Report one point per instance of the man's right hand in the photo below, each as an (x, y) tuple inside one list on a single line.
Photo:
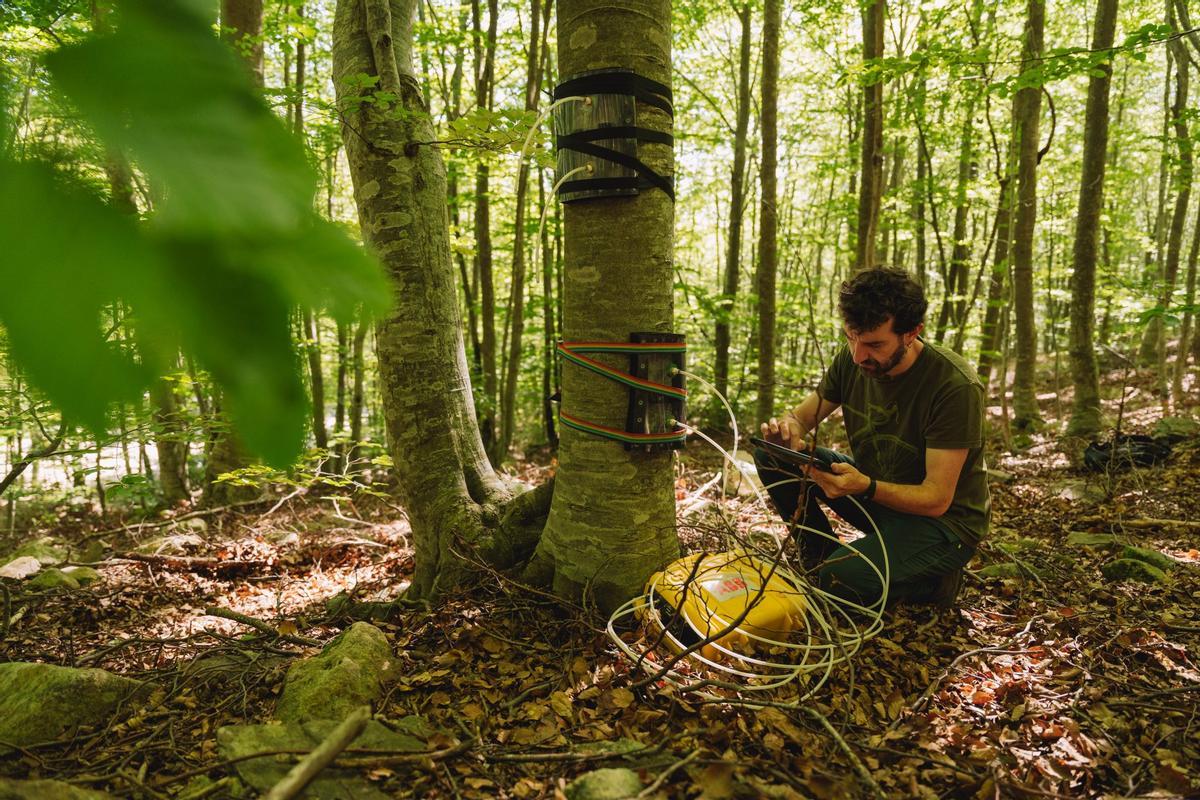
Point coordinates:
[(785, 431)]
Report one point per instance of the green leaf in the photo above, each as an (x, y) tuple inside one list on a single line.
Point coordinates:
[(166, 91), (68, 256)]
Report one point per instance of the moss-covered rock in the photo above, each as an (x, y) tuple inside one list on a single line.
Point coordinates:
[(1006, 570), (236, 741), (84, 575), (615, 783), (349, 672), (1176, 428), (43, 703), (1131, 569), (1152, 557), (47, 790), (1089, 539), (46, 550), (53, 579)]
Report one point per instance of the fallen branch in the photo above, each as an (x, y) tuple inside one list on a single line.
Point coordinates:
[(311, 765), (1143, 522), (258, 624)]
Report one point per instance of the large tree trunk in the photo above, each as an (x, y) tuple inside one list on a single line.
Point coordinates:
[(454, 500), (1085, 407), (768, 212), (737, 200), (1026, 110), (874, 12), (612, 522)]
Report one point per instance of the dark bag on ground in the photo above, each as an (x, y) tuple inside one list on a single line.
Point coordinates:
[(1125, 451)]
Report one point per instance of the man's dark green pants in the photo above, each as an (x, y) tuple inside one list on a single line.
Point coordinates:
[(919, 550)]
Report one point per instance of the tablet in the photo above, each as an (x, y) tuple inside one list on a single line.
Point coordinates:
[(800, 458)]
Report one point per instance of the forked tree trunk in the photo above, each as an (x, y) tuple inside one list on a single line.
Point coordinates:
[(612, 521), (456, 504), (1085, 406), (1026, 108)]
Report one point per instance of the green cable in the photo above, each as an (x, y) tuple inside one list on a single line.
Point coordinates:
[(573, 352)]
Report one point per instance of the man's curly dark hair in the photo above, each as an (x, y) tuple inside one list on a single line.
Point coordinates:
[(870, 297)]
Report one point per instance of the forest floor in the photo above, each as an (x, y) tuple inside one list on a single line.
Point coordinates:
[(1052, 682)]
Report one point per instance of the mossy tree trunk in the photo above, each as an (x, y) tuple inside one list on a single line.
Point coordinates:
[(455, 502), (612, 520), (1085, 407)]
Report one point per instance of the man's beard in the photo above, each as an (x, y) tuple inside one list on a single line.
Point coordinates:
[(879, 370)]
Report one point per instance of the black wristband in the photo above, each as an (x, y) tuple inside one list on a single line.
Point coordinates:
[(870, 492)]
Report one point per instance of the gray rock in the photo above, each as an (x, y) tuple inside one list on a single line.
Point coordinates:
[(235, 741), (1080, 491), (53, 579), (43, 703), (1130, 569), (20, 567), (47, 790), (615, 783), (349, 672), (171, 544)]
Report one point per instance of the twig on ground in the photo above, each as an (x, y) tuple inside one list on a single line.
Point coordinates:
[(311, 765), (258, 624), (666, 773), (859, 768)]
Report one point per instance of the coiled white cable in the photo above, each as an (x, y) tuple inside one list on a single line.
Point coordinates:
[(811, 653)]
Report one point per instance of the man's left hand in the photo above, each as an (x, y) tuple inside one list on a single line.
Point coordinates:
[(844, 480)]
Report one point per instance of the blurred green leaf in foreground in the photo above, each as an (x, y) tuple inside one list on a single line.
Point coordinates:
[(231, 246)]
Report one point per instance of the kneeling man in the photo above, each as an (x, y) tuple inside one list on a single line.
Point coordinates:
[(914, 416)]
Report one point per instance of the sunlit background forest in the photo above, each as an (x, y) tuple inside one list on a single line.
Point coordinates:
[(948, 71), (238, 421)]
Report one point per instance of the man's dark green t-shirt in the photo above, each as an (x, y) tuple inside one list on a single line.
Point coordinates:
[(936, 403)]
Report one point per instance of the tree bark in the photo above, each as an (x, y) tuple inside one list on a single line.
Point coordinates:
[(533, 85), (1026, 110), (768, 212), (241, 26), (358, 368), (316, 376), (485, 61), (1183, 193), (454, 500), (737, 200), (1085, 406), (874, 12), (612, 521)]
